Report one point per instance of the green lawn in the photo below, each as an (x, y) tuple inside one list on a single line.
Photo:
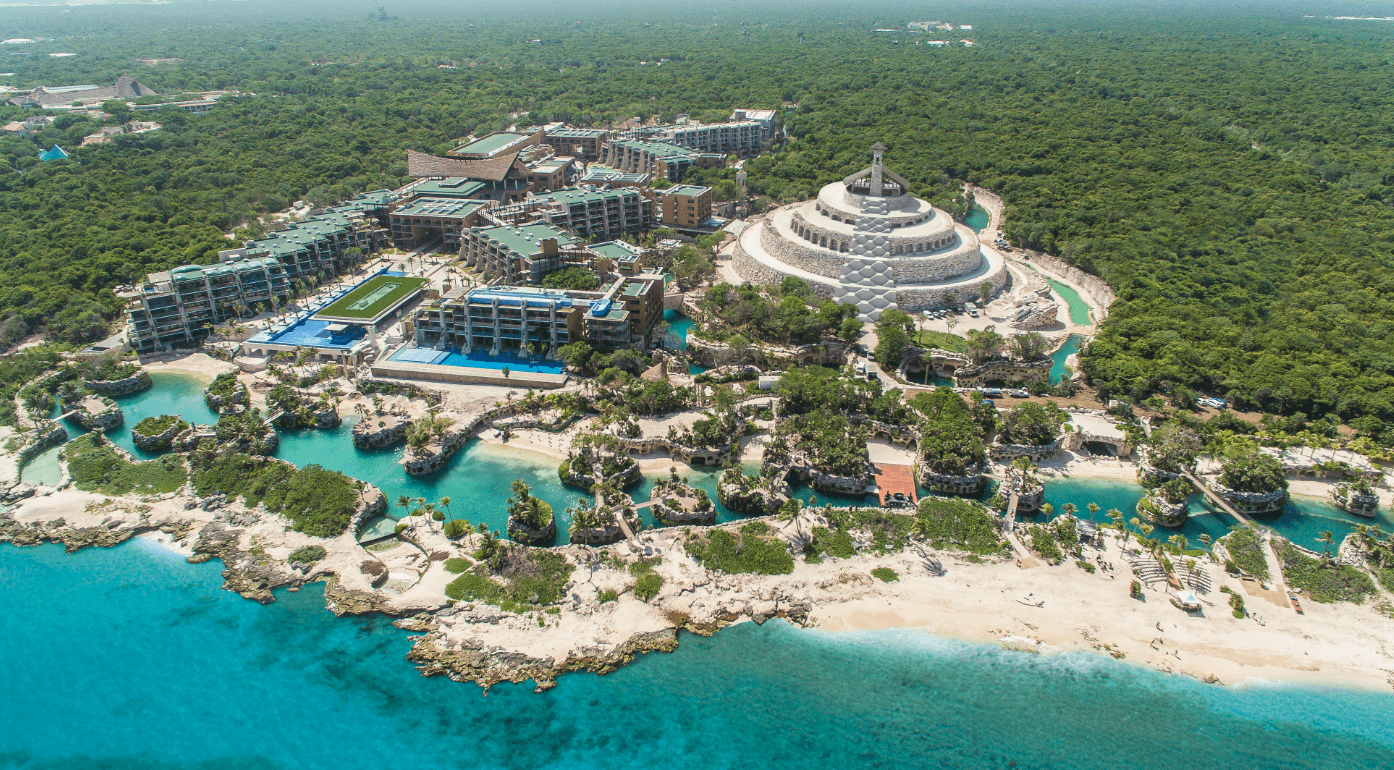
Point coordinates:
[(950, 342), (372, 298)]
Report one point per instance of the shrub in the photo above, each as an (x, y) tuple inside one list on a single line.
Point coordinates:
[(1135, 590), (749, 553), (318, 502), (1043, 543), (832, 543), (608, 596), (527, 578), (455, 529), (456, 566), (1323, 581), (755, 528), (885, 574), (647, 586), (96, 467), (309, 554), (1246, 552), (949, 523)]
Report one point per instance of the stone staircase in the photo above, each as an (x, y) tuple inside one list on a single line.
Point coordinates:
[(867, 279)]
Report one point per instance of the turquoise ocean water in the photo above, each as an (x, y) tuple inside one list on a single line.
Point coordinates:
[(131, 658)]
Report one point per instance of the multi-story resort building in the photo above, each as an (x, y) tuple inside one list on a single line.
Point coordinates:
[(604, 176), (428, 218), (744, 137), (498, 144), (583, 143), (764, 117), (686, 206), (526, 320), (660, 159), (179, 306), (516, 254)]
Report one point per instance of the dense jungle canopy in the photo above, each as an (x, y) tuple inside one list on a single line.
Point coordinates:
[(1227, 168)]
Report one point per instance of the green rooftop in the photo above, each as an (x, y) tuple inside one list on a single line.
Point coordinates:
[(521, 241), (660, 149), (455, 187), (372, 299), (614, 250), (491, 144), (440, 207), (690, 190)]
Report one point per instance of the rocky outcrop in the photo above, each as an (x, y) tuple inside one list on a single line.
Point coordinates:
[(224, 402), (522, 533), (96, 413), (154, 442), (610, 532), (105, 535), (253, 575), (679, 504), (377, 431), (471, 661), (1256, 503), (751, 500), (948, 484), (124, 386), (1004, 370), (1352, 500), (1156, 509)]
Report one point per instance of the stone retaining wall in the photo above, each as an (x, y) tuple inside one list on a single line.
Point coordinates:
[(1036, 452), (372, 437), (946, 484), (1004, 370), (757, 272), (125, 386), (49, 434), (1250, 502)]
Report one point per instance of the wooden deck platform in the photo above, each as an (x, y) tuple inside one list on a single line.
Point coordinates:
[(895, 478)]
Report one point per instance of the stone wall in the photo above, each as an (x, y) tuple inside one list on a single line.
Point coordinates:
[(804, 256), (125, 386), (1033, 451), (944, 268), (913, 299), (1093, 285), (1004, 370)]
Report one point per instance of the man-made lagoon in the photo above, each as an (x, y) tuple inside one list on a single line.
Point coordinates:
[(477, 479)]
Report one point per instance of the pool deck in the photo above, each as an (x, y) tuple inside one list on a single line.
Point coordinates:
[(406, 370)]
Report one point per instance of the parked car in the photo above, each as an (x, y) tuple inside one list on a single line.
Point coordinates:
[(1018, 393)]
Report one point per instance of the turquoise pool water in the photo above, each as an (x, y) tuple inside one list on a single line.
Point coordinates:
[(478, 360), (43, 468), (978, 219), (1079, 309), (477, 478), (678, 326), (1068, 348), (1301, 521), (171, 393), (131, 658)]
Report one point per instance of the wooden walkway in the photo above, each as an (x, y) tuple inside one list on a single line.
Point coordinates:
[(1216, 499)]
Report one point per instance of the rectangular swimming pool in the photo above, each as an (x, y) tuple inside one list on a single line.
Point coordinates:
[(476, 360)]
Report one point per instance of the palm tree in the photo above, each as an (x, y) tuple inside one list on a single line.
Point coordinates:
[(445, 503), (1093, 509), (1069, 509), (1327, 539), (404, 503)]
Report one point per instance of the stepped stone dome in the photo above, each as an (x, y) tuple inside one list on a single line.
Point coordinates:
[(867, 242)]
